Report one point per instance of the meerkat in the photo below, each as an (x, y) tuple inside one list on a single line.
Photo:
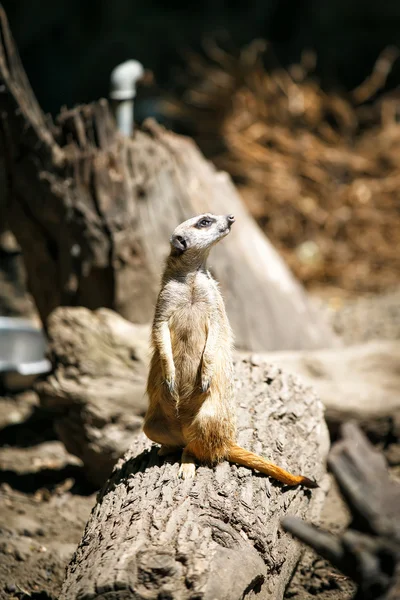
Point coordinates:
[(190, 382)]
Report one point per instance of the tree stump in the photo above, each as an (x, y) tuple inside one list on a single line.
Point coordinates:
[(93, 213), (152, 535), (97, 387)]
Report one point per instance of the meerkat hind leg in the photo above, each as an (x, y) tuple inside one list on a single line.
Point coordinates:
[(187, 469), (158, 429), (165, 450)]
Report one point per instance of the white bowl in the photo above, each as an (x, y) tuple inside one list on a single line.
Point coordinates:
[(22, 353)]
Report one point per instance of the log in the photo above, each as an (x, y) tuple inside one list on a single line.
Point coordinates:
[(369, 550), (152, 535), (99, 399), (359, 383), (97, 387), (93, 213)]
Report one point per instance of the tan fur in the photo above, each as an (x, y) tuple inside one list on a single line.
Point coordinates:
[(190, 379)]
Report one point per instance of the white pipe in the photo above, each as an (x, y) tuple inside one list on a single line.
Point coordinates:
[(123, 91)]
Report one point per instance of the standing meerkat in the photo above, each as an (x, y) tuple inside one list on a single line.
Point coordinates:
[(190, 388)]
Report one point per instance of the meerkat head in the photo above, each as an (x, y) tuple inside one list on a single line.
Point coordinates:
[(200, 233)]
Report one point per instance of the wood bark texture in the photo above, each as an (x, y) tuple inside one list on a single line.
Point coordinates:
[(360, 383), (369, 550), (152, 535), (97, 387), (93, 213)]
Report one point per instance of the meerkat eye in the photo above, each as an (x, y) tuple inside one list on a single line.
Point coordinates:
[(204, 223)]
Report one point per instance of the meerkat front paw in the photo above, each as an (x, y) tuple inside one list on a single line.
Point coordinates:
[(170, 383), (187, 471), (206, 379)]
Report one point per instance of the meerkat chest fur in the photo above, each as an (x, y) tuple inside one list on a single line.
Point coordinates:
[(194, 298), (195, 305)]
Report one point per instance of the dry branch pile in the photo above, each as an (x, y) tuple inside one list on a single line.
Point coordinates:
[(319, 171)]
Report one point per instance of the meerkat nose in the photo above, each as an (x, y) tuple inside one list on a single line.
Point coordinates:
[(231, 218)]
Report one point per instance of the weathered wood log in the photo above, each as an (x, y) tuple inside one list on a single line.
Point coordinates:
[(359, 383), (93, 213), (152, 535), (369, 550), (100, 366), (97, 387)]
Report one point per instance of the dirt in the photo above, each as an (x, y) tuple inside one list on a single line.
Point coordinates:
[(371, 317), (39, 532), (45, 502)]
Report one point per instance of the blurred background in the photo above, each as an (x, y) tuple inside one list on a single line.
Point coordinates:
[(69, 47), (297, 101)]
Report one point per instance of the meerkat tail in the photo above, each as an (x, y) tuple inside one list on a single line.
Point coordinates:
[(240, 456)]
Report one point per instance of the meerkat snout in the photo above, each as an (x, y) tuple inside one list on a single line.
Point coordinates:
[(225, 226), (230, 220)]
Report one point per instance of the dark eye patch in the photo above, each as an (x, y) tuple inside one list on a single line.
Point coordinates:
[(205, 222)]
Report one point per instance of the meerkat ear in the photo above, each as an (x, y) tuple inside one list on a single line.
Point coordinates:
[(179, 243)]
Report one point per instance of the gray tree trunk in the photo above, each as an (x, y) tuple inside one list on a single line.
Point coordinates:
[(218, 536), (93, 213)]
